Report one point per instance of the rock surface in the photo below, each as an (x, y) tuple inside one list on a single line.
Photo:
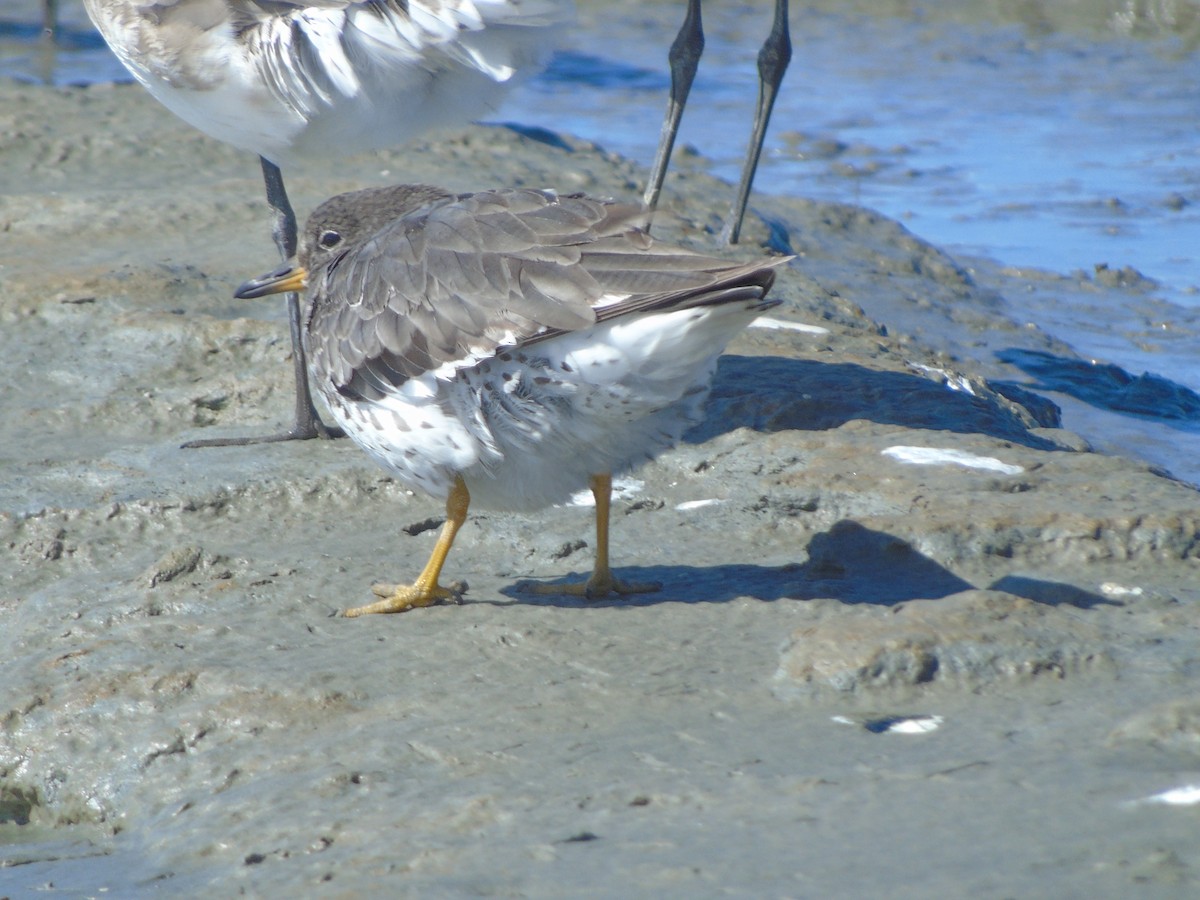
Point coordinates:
[(876, 520)]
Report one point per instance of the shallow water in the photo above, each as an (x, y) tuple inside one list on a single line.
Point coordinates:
[(1045, 137)]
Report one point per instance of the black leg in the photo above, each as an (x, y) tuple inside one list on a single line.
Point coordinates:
[(684, 58), (773, 61), (308, 423), (50, 21), (285, 231)]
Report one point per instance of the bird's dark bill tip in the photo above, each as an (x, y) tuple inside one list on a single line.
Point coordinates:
[(287, 278)]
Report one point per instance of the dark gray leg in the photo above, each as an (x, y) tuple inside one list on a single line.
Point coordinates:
[(308, 423), (684, 58), (773, 61), (284, 229), (50, 20)]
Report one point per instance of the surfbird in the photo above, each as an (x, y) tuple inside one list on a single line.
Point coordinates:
[(509, 347), (292, 79)]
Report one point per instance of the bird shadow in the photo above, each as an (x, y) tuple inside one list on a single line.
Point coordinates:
[(772, 393), (1051, 593), (849, 563)]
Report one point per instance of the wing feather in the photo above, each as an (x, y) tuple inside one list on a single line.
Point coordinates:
[(455, 280)]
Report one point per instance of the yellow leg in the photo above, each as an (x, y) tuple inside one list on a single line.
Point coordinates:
[(603, 582), (425, 591)]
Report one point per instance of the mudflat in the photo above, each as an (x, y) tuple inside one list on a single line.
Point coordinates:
[(914, 638)]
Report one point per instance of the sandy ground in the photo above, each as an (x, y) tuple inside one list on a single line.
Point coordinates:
[(183, 712)]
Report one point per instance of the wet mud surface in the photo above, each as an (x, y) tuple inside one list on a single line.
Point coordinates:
[(879, 519)]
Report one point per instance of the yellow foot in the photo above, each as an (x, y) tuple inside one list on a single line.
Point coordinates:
[(401, 597), (599, 586)]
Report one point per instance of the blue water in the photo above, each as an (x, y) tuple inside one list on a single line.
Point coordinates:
[(1037, 146)]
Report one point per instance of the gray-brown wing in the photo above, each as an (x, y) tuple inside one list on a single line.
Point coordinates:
[(452, 283)]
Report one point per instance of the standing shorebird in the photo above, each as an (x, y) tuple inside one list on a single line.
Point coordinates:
[(509, 347), (291, 79)]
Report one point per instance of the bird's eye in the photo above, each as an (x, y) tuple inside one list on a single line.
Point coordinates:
[(329, 239)]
